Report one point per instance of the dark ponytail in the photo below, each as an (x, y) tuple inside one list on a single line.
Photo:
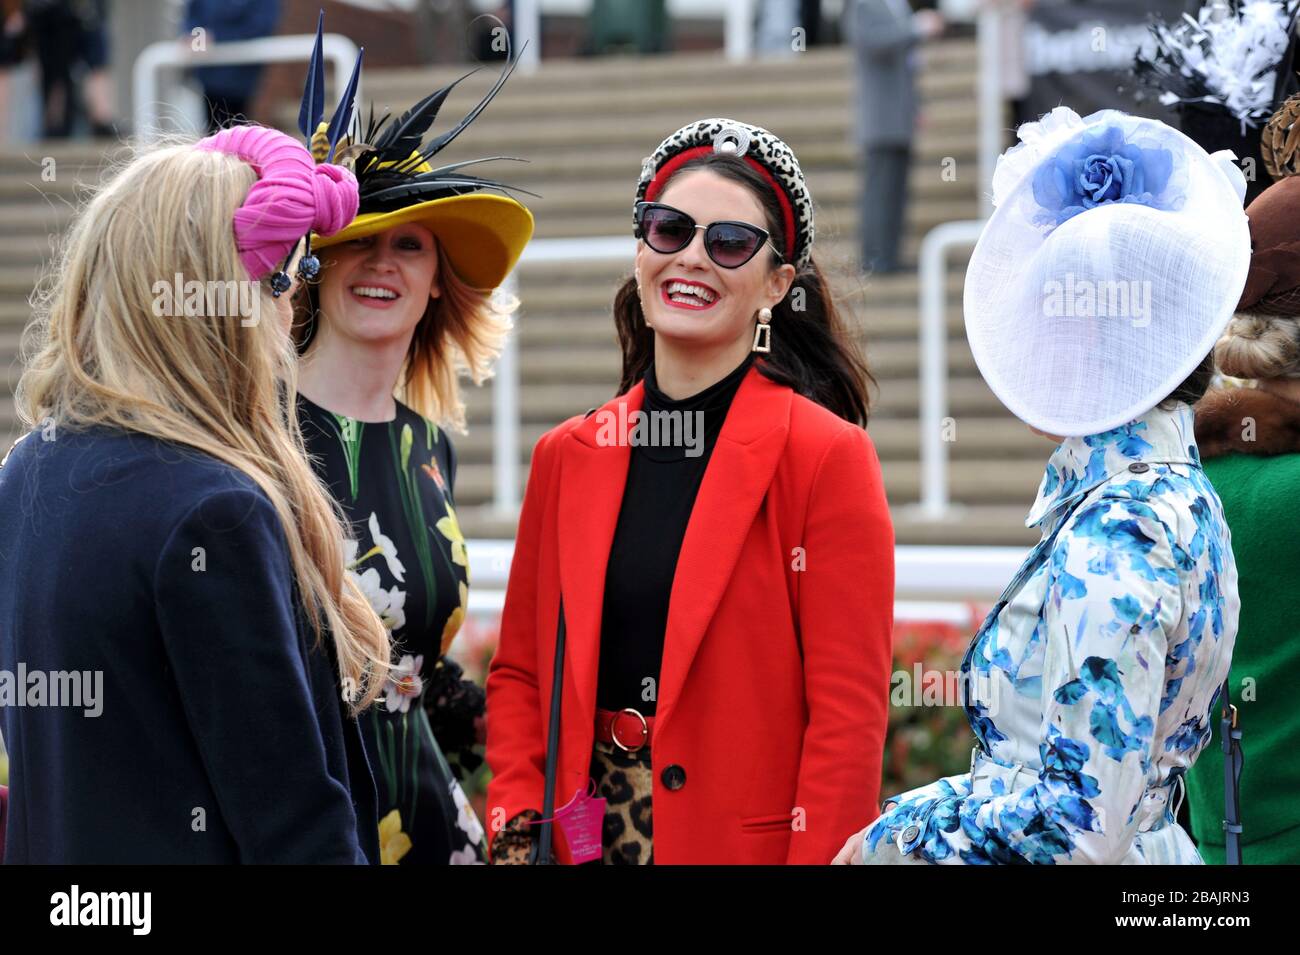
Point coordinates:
[(812, 350)]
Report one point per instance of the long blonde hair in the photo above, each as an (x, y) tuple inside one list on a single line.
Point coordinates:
[(100, 352), (461, 332)]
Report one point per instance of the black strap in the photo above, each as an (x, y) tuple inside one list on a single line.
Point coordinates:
[(1233, 760), (541, 851)]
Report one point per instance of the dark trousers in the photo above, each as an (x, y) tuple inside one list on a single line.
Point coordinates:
[(884, 202), (65, 36)]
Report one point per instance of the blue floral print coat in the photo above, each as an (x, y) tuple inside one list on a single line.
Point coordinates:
[(1090, 684)]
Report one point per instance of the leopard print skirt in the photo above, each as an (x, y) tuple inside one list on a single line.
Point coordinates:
[(626, 781)]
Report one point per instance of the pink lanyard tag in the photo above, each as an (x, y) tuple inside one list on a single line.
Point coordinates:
[(583, 820)]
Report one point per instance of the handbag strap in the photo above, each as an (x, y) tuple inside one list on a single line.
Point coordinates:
[(1233, 760), (541, 853)]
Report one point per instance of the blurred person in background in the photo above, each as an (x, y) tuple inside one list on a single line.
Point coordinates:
[(13, 35), (774, 32), (726, 593), (228, 90), (71, 42), (779, 19), (1250, 440), (885, 35)]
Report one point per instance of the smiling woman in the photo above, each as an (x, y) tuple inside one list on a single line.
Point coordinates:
[(403, 306), (656, 561)]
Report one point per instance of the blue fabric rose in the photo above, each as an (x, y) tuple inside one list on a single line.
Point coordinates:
[(1102, 168)]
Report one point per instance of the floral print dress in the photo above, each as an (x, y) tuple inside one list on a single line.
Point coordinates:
[(1091, 683), (394, 480)]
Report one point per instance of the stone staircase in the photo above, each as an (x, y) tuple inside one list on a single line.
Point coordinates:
[(584, 126)]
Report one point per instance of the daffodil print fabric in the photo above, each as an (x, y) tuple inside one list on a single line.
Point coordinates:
[(1090, 685), (394, 480)]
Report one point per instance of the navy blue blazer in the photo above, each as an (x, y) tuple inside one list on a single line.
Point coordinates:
[(221, 734)]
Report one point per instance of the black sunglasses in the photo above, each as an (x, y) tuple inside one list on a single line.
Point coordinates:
[(729, 244)]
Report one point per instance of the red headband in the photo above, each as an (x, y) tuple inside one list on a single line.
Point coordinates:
[(666, 171)]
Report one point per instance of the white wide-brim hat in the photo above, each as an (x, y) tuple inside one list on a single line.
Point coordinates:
[(1112, 262)]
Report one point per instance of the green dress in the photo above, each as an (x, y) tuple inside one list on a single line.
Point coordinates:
[(1261, 500), (394, 480)]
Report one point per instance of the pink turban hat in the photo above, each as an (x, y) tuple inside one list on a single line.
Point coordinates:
[(293, 195)]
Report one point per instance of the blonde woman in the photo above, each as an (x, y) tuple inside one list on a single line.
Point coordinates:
[(166, 546), (403, 307)]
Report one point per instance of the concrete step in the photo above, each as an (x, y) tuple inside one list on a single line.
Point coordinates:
[(834, 151), (39, 218), (798, 126), (18, 280), (705, 95), (1002, 481), (588, 288), (548, 403), (14, 311), (976, 439), (988, 525), (887, 360), (574, 299), (76, 155), (595, 327), (621, 73), (831, 186), (968, 525)]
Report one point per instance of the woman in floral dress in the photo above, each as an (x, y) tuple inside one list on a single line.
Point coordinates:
[(392, 478), (404, 305), (1090, 686)]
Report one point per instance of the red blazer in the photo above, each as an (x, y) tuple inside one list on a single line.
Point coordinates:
[(774, 684)]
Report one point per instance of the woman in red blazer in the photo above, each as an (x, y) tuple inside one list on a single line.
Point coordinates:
[(727, 591)]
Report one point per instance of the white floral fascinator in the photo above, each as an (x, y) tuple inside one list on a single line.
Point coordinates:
[(1115, 254)]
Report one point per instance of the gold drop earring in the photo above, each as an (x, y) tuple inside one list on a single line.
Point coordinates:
[(763, 332)]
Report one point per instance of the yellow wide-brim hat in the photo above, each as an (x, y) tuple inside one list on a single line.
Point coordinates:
[(483, 234)]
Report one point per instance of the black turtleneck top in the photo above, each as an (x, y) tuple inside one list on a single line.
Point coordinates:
[(662, 482)]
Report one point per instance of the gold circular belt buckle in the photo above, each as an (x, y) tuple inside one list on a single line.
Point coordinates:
[(613, 730)]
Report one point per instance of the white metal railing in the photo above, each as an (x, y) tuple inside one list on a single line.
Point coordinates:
[(932, 279), (931, 581), (168, 54), (505, 388)]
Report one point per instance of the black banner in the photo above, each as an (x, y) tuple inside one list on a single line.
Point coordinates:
[(1078, 54), (937, 905)]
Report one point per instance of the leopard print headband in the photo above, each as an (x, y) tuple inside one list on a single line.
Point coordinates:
[(762, 150)]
